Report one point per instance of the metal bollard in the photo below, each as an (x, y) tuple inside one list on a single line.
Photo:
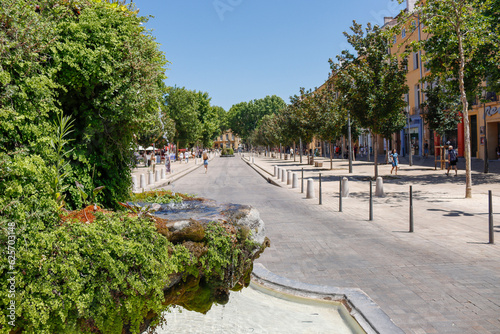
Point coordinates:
[(490, 218), (320, 189), (289, 177), (371, 200), (151, 178), (310, 188), (275, 170), (157, 175), (162, 173), (340, 193), (302, 182), (295, 180), (411, 209), (278, 176), (283, 175), (143, 181)]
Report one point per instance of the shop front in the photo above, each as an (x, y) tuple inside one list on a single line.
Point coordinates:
[(488, 133), (414, 131)]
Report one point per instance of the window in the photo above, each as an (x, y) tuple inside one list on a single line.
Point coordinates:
[(227, 137), (413, 26), (417, 96), (395, 39), (415, 60), (403, 33)]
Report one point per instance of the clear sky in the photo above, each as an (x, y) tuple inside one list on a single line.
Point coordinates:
[(240, 50)]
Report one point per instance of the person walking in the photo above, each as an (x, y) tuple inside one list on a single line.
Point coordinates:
[(205, 161), (452, 160), (167, 163), (395, 161)]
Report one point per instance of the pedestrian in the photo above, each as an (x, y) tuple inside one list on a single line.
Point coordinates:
[(395, 161), (205, 161), (167, 163), (186, 155), (452, 160), (426, 149), (181, 157)]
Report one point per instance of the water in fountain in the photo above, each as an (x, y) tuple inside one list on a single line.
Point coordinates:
[(259, 310)]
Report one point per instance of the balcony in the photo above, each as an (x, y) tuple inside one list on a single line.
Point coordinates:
[(416, 111)]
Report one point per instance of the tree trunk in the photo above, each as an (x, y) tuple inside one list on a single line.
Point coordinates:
[(331, 155), (465, 118), (294, 151)]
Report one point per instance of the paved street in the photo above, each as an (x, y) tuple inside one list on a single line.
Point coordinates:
[(443, 278)]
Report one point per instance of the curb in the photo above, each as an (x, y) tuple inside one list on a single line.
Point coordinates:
[(174, 177), (361, 307), (261, 172)]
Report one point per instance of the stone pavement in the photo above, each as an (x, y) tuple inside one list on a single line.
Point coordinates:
[(178, 170), (443, 278)]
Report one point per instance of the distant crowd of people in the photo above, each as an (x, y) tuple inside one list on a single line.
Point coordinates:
[(151, 158)]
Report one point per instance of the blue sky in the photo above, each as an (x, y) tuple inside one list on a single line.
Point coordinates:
[(240, 50)]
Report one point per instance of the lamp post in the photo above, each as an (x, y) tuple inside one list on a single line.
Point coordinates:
[(300, 148), (486, 165), (410, 158), (349, 140)]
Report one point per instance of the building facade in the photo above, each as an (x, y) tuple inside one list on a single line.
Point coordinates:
[(227, 140)]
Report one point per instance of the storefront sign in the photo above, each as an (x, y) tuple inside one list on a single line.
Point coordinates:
[(490, 111)]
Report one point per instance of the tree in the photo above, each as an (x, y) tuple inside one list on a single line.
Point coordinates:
[(268, 132), (223, 118), (245, 116), (459, 31), (109, 71), (298, 120), (441, 110), (331, 117), (182, 106), (208, 118), (371, 85)]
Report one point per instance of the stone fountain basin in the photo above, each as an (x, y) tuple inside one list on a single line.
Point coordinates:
[(205, 210)]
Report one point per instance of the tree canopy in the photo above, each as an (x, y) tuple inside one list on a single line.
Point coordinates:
[(245, 116), (371, 84), (458, 50)]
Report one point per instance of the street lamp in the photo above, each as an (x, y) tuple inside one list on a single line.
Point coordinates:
[(349, 140), (410, 158), (486, 165)]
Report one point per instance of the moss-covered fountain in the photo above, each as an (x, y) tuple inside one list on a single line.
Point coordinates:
[(222, 241)]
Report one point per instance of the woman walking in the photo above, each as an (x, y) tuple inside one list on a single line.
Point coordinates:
[(395, 161)]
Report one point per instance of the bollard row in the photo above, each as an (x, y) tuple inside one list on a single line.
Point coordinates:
[(148, 179)]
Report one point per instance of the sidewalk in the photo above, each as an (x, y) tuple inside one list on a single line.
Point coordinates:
[(432, 189), (178, 170), (444, 277)]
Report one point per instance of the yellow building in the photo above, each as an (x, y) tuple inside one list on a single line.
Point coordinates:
[(227, 140), (485, 127)]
